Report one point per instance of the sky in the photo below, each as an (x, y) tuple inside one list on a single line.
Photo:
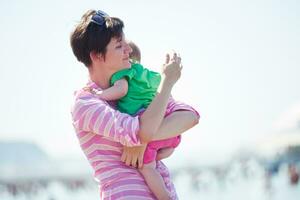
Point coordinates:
[(241, 67)]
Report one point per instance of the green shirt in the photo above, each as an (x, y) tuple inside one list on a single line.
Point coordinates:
[(142, 87)]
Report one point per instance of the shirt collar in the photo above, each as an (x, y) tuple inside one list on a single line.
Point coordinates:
[(92, 84)]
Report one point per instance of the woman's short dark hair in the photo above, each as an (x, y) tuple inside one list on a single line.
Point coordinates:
[(88, 36)]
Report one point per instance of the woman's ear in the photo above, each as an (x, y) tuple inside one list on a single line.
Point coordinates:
[(96, 57)]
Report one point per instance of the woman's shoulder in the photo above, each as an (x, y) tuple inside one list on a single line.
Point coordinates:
[(83, 97), (85, 101)]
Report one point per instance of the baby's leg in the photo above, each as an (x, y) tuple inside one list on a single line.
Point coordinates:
[(155, 181)]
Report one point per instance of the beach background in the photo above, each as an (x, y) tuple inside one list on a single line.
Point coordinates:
[(241, 71)]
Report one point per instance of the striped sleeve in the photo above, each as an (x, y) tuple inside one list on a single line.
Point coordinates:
[(177, 106), (94, 115)]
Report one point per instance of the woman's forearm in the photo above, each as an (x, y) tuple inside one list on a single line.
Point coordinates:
[(175, 124), (151, 119)]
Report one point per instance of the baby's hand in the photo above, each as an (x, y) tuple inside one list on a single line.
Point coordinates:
[(88, 89), (91, 90)]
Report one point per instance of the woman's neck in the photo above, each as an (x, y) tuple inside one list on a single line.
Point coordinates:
[(101, 77)]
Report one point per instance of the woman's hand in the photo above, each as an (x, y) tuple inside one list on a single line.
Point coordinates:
[(172, 69), (133, 156)]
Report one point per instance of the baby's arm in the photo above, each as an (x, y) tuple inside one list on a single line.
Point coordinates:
[(115, 92)]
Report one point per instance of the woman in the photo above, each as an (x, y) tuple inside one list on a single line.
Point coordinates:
[(105, 134)]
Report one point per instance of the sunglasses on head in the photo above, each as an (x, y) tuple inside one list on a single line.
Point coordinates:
[(99, 18)]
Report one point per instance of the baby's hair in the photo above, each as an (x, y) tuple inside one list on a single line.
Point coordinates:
[(136, 53)]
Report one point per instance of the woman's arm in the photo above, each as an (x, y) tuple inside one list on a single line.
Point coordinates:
[(182, 118), (149, 123), (175, 124), (151, 119)]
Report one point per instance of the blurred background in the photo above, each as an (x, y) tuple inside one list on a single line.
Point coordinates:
[(241, 72)]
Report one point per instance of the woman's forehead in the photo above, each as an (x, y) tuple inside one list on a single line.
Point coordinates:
[(116, 40)]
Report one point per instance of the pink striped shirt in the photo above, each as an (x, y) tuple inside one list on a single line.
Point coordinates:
[(102, 131)]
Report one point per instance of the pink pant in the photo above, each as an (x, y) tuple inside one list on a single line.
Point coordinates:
[(153, 147)]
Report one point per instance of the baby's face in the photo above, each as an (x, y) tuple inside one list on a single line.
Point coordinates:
[(134, 59)]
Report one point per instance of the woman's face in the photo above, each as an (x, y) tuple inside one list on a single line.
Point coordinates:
[(117, 54)]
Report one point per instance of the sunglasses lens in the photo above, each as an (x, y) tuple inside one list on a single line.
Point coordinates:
[(99, 18), (101, 13)]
